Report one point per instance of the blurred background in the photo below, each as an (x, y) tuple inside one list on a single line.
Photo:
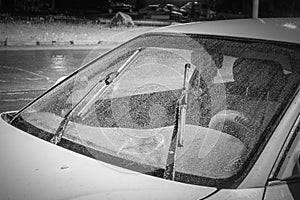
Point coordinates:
[(177, 10)]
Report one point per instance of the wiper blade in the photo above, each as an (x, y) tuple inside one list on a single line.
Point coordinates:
[(179, 127), (182, 106), (107, 80)]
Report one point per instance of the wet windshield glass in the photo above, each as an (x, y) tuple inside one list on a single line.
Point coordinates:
[(236, 90)]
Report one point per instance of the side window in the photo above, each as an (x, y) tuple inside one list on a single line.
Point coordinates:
[(290, 168), (283, 190), (287, 180)]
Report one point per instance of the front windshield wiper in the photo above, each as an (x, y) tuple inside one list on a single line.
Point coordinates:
[(179, 127), (108, 79)]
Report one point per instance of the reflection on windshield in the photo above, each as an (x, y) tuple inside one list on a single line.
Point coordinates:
[(58, 62), (235, 90)]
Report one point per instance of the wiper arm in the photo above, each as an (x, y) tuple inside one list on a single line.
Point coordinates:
[(113, 76), (107, 80), (179, 128), (63, 124)]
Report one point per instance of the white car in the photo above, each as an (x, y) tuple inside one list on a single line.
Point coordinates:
[(194, 111)]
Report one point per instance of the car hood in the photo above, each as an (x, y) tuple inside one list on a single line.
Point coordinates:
[(32, 168)]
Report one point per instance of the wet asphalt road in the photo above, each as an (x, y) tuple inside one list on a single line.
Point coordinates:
[(25, 74)]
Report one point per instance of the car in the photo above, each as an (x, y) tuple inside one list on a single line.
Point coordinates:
[(197, 10), (206, 110), (119, 7), (159, 12), (174, 8)]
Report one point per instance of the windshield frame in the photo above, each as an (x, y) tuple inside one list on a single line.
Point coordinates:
[(235, 180)]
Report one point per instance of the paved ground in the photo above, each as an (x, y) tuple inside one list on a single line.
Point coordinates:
[(25, 73)]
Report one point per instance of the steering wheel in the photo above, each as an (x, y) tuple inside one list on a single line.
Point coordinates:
[(237, 121)]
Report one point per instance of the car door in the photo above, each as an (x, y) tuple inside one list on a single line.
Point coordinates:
[(284, 182)]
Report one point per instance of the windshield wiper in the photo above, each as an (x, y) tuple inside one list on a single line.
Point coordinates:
[(179, 128), (108, 79)]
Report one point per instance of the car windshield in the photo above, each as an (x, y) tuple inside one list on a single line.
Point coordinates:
[(236, 90)]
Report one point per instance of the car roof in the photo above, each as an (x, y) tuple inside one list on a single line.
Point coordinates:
[(275, 29)]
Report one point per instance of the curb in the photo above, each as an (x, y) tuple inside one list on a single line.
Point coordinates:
[(60, 46), (6, 43), (54, 42)]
